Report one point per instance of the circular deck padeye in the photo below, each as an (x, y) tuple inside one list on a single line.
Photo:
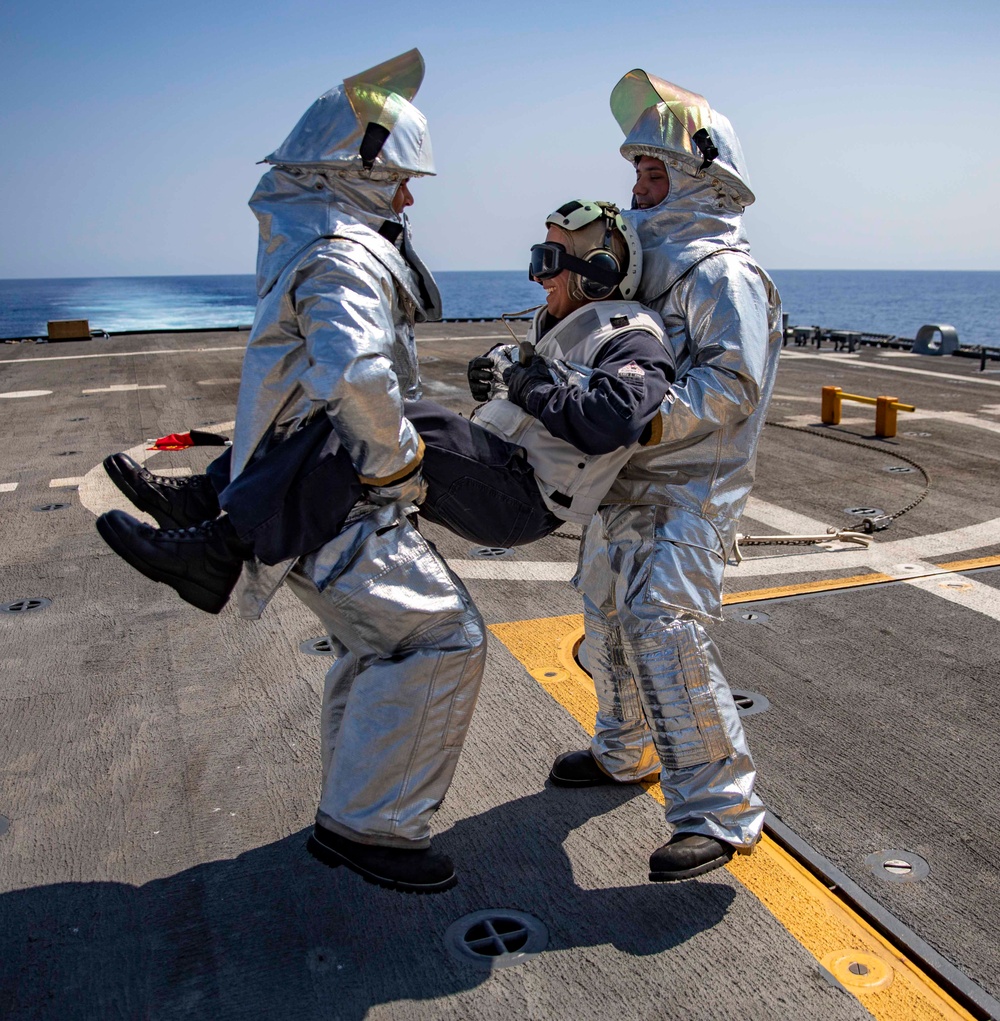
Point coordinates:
[(490, 552), (496, 938), (898, 866), (748, 615), (858, 970), (321, 646), (749, 703), (26, 605)]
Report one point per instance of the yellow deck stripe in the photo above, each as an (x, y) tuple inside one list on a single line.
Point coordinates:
[(971, 565), (855, 581), (893, 989), (824, 585)]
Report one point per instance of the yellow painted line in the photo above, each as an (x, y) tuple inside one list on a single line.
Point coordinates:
[(855, 581), (824, 585), (892, 988), (970, 565)]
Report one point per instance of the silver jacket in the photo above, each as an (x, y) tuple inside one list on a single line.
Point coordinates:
[(722, 317), (333, 333), (572, 346), (333, 336)]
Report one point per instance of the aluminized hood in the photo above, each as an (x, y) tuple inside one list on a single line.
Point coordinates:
[(709, 187), (332, 132), (663, 120)]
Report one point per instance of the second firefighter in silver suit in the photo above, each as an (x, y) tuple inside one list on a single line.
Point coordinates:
[(652, 559)]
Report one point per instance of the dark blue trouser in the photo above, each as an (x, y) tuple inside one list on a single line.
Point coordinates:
[(294, 497)]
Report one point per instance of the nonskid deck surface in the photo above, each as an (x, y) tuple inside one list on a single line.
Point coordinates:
[(161, 764)]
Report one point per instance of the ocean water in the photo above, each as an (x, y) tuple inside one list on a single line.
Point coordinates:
[(877, 301)]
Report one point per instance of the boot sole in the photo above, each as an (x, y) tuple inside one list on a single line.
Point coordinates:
[(598, 781), (698, 870), (120, 480), (191, 592), (334, 859)]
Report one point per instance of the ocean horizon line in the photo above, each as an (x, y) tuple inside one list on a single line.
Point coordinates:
[(887, 302), (520, 270)]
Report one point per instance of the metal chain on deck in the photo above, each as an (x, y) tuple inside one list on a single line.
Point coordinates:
[(867, 446), (847, 534)]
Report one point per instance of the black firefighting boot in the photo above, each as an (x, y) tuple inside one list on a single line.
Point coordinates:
[(202, 563), (687, 855), (419, 870), (580, 769)]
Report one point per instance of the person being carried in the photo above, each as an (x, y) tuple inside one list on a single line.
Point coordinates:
[(542, 449), (576, 399), (652, 559), (330, 360)]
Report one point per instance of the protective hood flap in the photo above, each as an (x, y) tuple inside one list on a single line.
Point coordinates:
[(663, 120), (692, 222), (370, 109), (295, 208)]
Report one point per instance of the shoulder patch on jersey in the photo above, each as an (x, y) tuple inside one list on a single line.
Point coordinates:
[(631, 371), (618, 322)]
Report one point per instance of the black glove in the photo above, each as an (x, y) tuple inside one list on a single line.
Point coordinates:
[(487, 374), (523, 380)]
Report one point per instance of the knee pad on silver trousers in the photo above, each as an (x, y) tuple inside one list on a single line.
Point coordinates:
[(684, 692), (622, 740)]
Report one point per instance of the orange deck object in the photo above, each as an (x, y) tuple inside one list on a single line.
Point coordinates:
[(885, 409)]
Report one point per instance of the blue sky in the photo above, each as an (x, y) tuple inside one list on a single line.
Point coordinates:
[(130, 131)]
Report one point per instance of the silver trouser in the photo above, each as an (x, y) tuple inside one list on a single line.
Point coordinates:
[(410, 649), (660, 688)]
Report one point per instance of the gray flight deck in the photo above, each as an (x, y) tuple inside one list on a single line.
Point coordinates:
[(160, 765)]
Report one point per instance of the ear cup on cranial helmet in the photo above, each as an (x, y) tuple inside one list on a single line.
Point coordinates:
[(603, 259), (607, 242)]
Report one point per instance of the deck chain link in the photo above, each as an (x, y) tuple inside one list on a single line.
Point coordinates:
[(838, 439)]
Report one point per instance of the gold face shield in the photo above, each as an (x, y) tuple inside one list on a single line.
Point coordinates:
[(685, 118), (379, 97), (375, 95), (662, 120)]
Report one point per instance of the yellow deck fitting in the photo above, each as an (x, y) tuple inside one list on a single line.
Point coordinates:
[(885, 409)]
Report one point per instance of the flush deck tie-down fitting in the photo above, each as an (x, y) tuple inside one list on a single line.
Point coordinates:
[(885, 409)]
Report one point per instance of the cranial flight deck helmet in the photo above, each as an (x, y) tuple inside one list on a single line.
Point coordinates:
[(669, 123), (366, 127), (606, 254)]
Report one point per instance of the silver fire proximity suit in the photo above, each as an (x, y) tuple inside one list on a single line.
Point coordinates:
[(339, 290), (651, 564)]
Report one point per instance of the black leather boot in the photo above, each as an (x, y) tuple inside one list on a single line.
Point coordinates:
[(687, 855), (173, 502), (580, 769), (202, 564), (395, 868)]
